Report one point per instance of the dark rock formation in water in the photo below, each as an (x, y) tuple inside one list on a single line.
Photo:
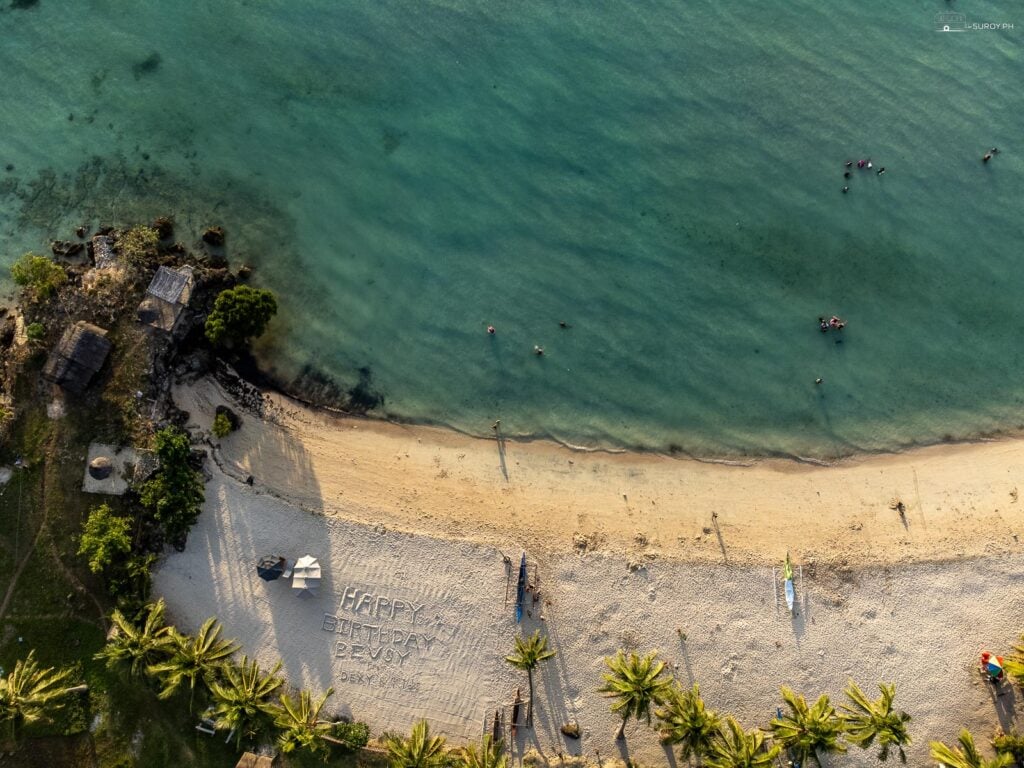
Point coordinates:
[(164, 227), (214, 236), (147, 66)]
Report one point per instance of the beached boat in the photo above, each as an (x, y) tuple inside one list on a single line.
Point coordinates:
[(516, 705), (521, 589), (787, 575)]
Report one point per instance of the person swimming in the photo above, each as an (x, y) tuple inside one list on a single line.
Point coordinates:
[(538, 350), (835, 323), (987, 157), (490, 329), (849, 163), (861, 163), (846, 175), (881, 170), (845, 190), (823, 324)]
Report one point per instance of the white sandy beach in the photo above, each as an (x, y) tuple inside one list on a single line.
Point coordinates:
[(415, 525)]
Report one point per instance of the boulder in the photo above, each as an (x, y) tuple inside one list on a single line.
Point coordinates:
[(164, 227), (572, 730), (214, 236)]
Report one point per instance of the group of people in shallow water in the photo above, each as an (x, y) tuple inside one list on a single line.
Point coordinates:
[(832, 324), (860, 164), (537, 349)]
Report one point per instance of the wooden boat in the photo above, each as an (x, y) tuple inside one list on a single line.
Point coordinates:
[(515, 709), (787, 574), (521, 589)]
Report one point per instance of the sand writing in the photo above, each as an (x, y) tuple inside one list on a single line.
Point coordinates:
[(372, 637), (382, 680)]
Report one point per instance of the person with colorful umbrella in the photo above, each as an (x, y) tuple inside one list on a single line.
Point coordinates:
[(992, 666)]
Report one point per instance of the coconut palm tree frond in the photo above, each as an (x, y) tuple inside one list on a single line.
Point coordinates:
[(529, 652), (193, 659), (967, 754), (419, 750), (140, 646), (487, 754), (736, 748), (635, 682), (1011, 744), (300, 724), (685, 721), (31, 693), (242, 698), (806, 730), (867, 721), (1013, 664)]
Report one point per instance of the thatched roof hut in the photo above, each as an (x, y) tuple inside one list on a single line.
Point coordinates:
[(249, 760), (78, 356), (168, 294)]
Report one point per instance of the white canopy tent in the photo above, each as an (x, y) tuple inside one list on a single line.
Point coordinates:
[(306, 576)]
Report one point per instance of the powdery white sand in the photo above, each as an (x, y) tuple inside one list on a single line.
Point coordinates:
[(919, 625)]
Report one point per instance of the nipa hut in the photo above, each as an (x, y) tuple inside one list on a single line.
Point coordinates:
[(78, 356), (168, 294)]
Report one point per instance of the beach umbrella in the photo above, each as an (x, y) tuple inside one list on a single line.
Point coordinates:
[(992, 664), (306, 576), (270, 567)]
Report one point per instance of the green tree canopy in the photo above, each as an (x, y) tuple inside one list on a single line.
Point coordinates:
[(140, 646), (242, 698), (300, 723), (105, 538), (30, 693), (174, 495), (736, 748), (805, 730), (193, 659), (529, 652), (239, 314), (869, 721), (686, 722), (967, 754), (488, 754), (635, 682), (39, 274), (419, 750)]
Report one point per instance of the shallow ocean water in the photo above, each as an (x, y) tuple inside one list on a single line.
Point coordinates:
[(665, 179)]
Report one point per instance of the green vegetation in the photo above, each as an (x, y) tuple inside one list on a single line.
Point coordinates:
[(488, 754), (302, 730), (529, 652), (31, 693), (174, 496), (39, 275), (736, 748), (139, 646), (418, 750), (138, 244), (350, 736), (221, 425), (35, 331), (1011, 744), (239, 314), (243, 698), (636, 683), (105, 538), (686, 722), (967, 754), (193, 659), (868, 721), (805, 731), (1013, 664)]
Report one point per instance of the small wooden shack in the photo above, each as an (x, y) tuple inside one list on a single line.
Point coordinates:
[(168, 294), (78, 356)]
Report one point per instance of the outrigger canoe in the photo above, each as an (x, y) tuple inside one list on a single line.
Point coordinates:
[(516, 705), (787, 575), (521, 589)]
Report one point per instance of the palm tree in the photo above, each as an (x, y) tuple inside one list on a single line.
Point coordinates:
[(300, 723), (736, 748), (1014, 665), (30, 693), (529, 653), (805, 731), (489, 754), (685, 721), (1011, 744), (967, 755), (420, 750), (193, 658), (636, 683), (243, 698), (141, 646), (868, 720)]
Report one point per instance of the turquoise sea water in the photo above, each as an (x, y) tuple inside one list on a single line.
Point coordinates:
[(664, 177)]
